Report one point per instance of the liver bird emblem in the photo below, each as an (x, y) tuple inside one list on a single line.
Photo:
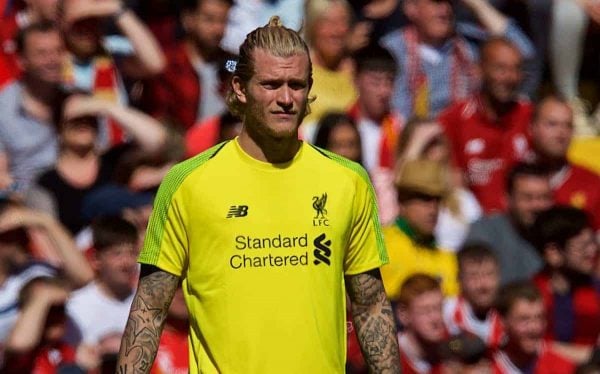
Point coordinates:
[(319, 205)]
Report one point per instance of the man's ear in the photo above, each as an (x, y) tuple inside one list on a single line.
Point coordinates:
[(239, 89), (553, 255), (188, 19), (402, 315)]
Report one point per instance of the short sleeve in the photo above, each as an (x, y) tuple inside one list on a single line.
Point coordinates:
[(165, 245), (366, 249)]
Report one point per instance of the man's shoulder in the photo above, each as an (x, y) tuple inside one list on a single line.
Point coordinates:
[(331, 162), (393, 41), (583, 174), (9, 95)]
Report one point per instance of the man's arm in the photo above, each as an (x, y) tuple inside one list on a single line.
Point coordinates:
[(374, 322), (146, 320)]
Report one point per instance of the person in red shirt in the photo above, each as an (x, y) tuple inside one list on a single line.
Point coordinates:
[(473, 311), (419, 310), (522, 309), (551, 135), (172, 355), (571, 292), (187, 91), (488, 131)]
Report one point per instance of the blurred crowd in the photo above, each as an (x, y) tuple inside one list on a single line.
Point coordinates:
[(475, 120)]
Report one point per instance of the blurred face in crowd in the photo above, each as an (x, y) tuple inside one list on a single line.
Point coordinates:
[(479, 282), (501, 71), (207, 24), (344, 140), (44, 9), (525, 325), (330, 32), (552, 129), (42, 56), (82, 34), (375, 91), (276, 96), (423, 316), (531, 195), (434, 19), (79, 134), (421, 212), (116, 266), (55, 327), (580, 252), (6, 179)]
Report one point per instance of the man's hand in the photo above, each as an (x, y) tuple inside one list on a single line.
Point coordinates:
[(14, 217), (374, 322), (84, 106), (77, 10)]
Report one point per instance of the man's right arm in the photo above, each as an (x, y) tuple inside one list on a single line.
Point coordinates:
[(146, 320)]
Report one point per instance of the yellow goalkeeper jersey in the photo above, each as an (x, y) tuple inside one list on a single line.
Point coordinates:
[(262, 250)]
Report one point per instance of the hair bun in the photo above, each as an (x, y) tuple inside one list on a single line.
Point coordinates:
[(275, 21)]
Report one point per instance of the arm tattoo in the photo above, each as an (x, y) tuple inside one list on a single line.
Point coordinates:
[(146, 318), (374, 322)]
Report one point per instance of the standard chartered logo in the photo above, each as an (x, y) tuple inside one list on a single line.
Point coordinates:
[(279, 251)]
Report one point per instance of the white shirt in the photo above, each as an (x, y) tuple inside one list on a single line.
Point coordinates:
[(451, 231)]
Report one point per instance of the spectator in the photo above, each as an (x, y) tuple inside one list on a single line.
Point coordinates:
[(473, 311), (379, 127), (174, 339), (27, 136), (211, 132), (410, 241), (551, 135), (36, 343), (188, 91), (11, 22), (98, 63), (337, 133), (102, 307), (509, 234), (522, 309), (17, 261), (81, 167), (437, 65), (419, 309), (488, 131), (327, 25), (571, 294)]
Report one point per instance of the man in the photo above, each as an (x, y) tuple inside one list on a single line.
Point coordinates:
[(551, 135), (264, 266), (419, 309), (379, 127), (522, 309), (571, 296), (509, 234), (188, 90), (488, 131), (410, 240), (473, 311), (436, 63), (27, 135)]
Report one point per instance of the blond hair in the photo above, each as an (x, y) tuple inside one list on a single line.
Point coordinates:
[(275, 39), (314, 9)]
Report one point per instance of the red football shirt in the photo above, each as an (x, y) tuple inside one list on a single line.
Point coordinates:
[(9, 67), (547, 362), (43, 360), (578, 187), (485, 150), (172, 356)]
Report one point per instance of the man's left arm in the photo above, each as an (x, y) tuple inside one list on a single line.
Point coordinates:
[(374, 322)]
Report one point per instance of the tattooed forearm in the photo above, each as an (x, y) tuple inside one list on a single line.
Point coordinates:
[(374, 322), (148, 312)]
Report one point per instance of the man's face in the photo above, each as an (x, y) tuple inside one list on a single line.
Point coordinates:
[(421, 213), (276, 96), (580, 252), (501, 72), (525, 325), (433, 18), (46, 9), (331, 30), (424, 316), (530, 196), (117, 265), (479, 282), (552, 130), (375, 91), (344, 140), (207, 24), (42, 56)]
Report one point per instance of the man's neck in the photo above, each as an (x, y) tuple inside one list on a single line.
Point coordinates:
[(552, 164), (517, 357), (268, 149), (365, 114), (420, 349), (197, 54), (431, 41), (114, 293), (70, 154), (38, 99), (493, 108)]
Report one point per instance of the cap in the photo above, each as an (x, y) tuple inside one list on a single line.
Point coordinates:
[(423, 177), (111, 199), (464, 347)]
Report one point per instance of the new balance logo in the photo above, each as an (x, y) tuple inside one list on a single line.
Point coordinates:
[(323, 250), (237, 211)]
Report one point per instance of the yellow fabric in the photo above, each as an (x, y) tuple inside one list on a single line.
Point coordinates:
[(408, 258), (259, 300), (586, 152), (335, 91), (421, 102)]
